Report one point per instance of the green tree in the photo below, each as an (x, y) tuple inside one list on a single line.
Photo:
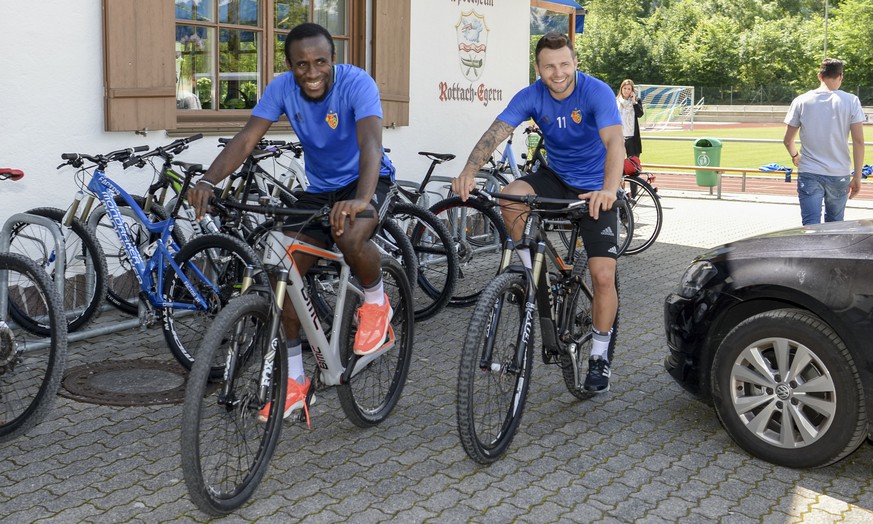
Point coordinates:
[(850, 38)]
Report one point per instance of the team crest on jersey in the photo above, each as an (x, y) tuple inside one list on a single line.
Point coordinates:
[(332, 120), (576, 115)]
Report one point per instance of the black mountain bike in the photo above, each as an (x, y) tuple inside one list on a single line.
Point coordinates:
[(497, 357)]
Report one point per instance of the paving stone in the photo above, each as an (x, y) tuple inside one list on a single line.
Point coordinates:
[(646, 452)]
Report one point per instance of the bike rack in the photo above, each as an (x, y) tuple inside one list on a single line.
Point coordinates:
[(60, 261)]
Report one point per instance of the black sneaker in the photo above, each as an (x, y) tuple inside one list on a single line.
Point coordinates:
[(597, 380)]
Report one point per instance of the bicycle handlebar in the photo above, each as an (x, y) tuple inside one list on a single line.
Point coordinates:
[(280, 210), (7, 173), (166, 152), (78, 159), (537, 202)]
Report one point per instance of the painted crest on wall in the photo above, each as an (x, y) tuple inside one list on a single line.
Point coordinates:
[(472, 44)]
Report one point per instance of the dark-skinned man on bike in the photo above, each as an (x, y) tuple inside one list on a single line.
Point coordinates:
[(336, 114)]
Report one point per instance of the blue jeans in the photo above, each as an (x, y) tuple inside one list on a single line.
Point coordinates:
[(814, 189)]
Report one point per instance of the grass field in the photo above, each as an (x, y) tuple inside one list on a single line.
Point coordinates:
[(753, 154)]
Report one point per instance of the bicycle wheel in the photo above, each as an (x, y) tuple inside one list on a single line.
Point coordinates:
[(30, 367), (574, 365), (478, 233), (437, 260), (225, 450), (492, 389), (392, 241), (84, 269), (645, 205), (372, 392), (122, 284), (221, 260)]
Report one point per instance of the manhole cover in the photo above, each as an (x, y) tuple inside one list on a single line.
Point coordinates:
[(126, 383)]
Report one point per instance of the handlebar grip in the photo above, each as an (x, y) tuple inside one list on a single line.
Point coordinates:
[(139, 149), (192, 138), (69, 156), (223, 140)]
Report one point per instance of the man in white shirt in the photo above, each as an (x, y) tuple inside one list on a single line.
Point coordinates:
[(825, 117)]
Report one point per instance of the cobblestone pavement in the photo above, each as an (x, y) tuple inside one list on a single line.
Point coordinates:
[(644, 452)]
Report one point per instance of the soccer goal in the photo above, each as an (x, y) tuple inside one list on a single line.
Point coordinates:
[(667, 107)]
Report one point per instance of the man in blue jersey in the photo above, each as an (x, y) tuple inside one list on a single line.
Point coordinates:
[(336, 114), (584, 145)]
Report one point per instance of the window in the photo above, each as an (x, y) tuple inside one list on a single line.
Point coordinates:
[(225, 52)]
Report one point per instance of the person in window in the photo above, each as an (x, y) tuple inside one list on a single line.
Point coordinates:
[(336, 114), (630, 107), (581, 127)]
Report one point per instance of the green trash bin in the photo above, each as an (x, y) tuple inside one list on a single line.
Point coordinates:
[(707, 153)]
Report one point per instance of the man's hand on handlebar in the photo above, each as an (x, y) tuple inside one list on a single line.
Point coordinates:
[(599, 201), (463, 184), (346, 209)]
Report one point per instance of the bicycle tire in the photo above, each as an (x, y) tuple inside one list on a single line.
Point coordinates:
[(123, 287), (84, 272), (491, 397), (648, 216), (392, 241), (478, 233), (372, 393), (222, 259), (436, 258), (574, 369), (29, 378), (225, 449)]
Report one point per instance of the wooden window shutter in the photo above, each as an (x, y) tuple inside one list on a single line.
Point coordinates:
[(391, 30), (139, 65)]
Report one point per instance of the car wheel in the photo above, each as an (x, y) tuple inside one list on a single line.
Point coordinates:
[(787, 390)]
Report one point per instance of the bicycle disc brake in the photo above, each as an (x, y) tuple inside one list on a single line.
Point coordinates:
[(8, 351)]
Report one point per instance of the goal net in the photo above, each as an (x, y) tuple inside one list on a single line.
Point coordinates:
[(667, 107)]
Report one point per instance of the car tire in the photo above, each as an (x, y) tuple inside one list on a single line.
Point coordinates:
[(821, 393)]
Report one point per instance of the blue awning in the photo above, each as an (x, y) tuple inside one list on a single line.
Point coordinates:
[(580, 12), (569, 3)]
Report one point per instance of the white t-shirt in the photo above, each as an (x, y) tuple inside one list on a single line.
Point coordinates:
[(824, 118)]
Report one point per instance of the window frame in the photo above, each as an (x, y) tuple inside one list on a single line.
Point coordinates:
[(140, 56)]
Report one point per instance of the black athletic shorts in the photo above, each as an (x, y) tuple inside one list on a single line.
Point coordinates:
[(600, 237), (319, 231)]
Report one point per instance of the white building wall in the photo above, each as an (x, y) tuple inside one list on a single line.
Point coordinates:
[(51, 94)]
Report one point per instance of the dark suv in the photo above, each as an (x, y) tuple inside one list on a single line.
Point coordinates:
[(776, 332)]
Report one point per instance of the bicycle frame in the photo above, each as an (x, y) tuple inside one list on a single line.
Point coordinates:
[(105, 190), (325, 349), (539, 295)]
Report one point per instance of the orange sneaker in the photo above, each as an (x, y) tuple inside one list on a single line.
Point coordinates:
[(373, 323), (295, 398)]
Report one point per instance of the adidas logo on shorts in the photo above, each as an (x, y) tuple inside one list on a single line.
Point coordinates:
[(607, 232)]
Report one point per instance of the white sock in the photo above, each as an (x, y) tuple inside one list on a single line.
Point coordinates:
[(295, 361), (600, 343), (375, 294), (524, 255)]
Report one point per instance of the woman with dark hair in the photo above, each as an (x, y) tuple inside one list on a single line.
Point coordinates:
[(631, 109)]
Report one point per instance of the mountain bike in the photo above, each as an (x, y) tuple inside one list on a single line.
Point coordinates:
[(225, 449), (184, 286), (122, 285), (497, 357), (32, 360)]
